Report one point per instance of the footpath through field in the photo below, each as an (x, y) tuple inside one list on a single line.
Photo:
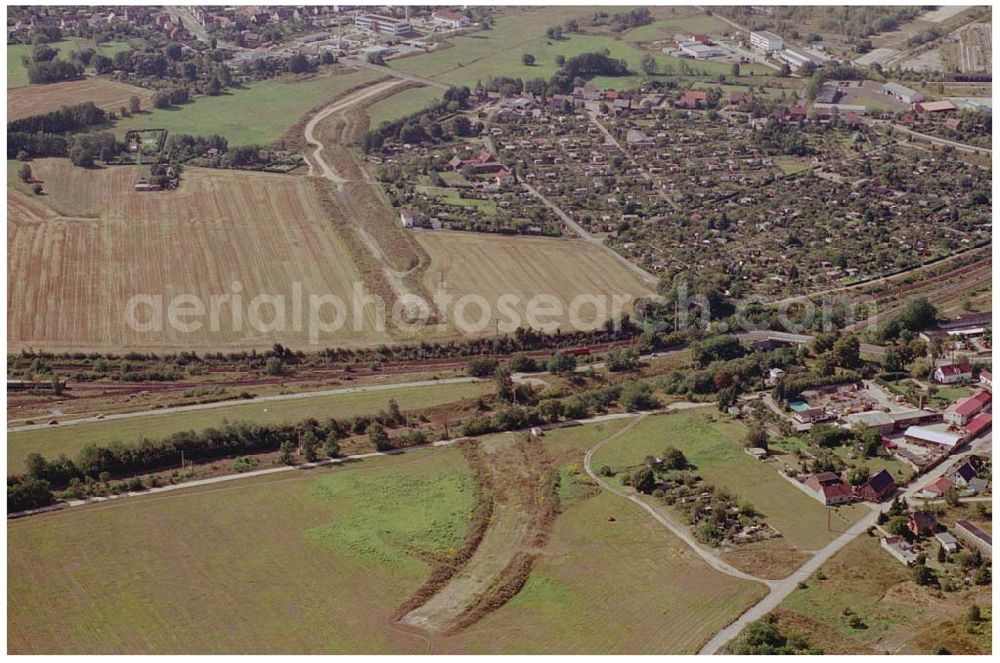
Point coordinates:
[(326, 170)]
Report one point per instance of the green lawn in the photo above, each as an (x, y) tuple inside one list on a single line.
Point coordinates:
[(497, 52), (452, 197), (316, 561), (713, 443), (255, 115), (668, 27), (611, 580), (402, 104), (308, 562), (17, 73), (70, 439)]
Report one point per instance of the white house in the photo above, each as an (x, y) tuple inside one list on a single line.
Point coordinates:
[(953, 373), (450, 19), (766, 41), (986, 379), (408, 218)]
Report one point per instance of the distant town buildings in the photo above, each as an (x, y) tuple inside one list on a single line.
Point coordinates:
[(450, 19), (378, 24), (765, 41)]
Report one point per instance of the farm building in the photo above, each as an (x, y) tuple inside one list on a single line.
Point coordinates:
[(450, 19), (899, 548), (961, 412), (903, 93), (935, 107), (828, 488), (765, 41), (978, 425), (878, 488), (932, 437), (876, 419), (974, 537), (953, 373)]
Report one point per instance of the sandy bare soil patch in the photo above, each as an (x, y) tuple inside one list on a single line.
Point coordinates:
[(38, 99), (520, 518), (80, 252)]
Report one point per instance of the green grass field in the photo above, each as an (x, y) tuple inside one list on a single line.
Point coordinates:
[(255, 115), (497, 52), (50, 442), (267, 565), (626, 586), (315, 561), (713, 443), (666, 28), (402, 104), (17, 73)]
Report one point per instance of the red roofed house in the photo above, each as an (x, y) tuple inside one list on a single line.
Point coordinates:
[(504, 178), (922, 522), (738, 97), (953, 123), (450, 19), (986, 379), (978, 424), (701, 39), (828, 488), (693, 99), (878, 487), (959, 413), (797, 113), (953, 373), (936, 488)]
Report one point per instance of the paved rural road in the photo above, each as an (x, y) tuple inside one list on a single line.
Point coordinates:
[(288, 468), (398, 74), (261, 399), (782, 588), (342, 104)]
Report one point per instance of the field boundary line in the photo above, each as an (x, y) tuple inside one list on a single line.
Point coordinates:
[(288, 468), (241, 401)]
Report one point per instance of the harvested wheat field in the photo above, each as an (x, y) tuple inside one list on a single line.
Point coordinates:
[(81, 251), (493, 266), (37, 99)]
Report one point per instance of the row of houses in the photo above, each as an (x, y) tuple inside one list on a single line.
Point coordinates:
[(831, 489)]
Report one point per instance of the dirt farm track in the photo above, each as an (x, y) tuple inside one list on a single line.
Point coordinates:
[(37, 99)]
